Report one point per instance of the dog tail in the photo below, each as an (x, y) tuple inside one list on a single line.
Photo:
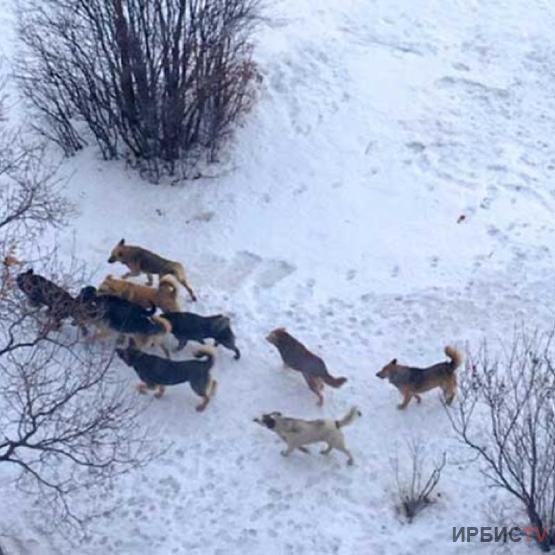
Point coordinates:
[(171, 281), (206, 352), (164, 325), (349, 418), (455, 356), (333, 382)]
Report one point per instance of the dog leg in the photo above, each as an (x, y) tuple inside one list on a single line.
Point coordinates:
[(129, 274), (418, 398), (288, 451), (209, 394), (339, 444), (304, 450), (166, 351), (406, 399), (149, 280), (160, 392), (232, 347), (449, 390), (449, 395), (316, 385), (141, 388), (181, 344), (350, 460), (327, 450)]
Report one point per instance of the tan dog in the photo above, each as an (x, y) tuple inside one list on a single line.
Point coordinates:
[(297, 433), (141, 261), (164, 297), (412, 381)]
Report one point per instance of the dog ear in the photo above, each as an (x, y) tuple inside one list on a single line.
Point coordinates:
[(30, 271), (394, 362), (122, 242)]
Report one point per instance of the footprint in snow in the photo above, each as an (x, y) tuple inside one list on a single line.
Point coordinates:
[(274, 271)]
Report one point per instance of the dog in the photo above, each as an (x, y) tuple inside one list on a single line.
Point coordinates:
[(411, 381), (164, 297), (296, 356), (40, 292), (188, 326), (155, 372), (141, 261), (114, 314), (297, 433)]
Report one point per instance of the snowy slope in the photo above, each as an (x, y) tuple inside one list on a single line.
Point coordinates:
[(335, 214)]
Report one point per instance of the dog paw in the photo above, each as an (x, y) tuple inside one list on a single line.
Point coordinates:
[(350, 462)]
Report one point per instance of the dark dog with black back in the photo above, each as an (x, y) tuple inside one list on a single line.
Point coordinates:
[(187, 326), (114, 314), (155, 372)]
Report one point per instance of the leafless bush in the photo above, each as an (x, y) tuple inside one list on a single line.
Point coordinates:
[(417, 484), (161, 78), (506, 414), (66, 419)]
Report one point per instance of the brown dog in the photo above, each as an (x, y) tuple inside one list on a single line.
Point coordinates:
[(141, 261), (411, 381), (296, 356), (164, 297)]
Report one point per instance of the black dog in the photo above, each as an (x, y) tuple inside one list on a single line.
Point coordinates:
[(188, 326), (118, 314), (42, 292), (159, 372)]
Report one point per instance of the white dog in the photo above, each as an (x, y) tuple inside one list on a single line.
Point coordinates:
[(297, 433)]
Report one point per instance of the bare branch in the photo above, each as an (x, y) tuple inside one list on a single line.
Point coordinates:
[(506, 414)]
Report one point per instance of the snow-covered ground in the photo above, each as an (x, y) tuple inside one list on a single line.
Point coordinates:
[(336, 214)]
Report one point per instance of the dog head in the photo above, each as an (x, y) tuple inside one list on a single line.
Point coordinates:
[(386, 371), (275, 336), (24, 276), (268, 420), (117, 252), (128, 353), (125, 355), (87, 294)]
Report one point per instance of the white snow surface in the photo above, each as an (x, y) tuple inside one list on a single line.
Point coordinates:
[(379, 123)]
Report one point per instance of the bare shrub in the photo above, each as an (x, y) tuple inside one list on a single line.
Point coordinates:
[(417, 483), (154, 80), (67, 422), (506, 415)]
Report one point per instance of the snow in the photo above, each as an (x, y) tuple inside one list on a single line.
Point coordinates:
[(335, 213)]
